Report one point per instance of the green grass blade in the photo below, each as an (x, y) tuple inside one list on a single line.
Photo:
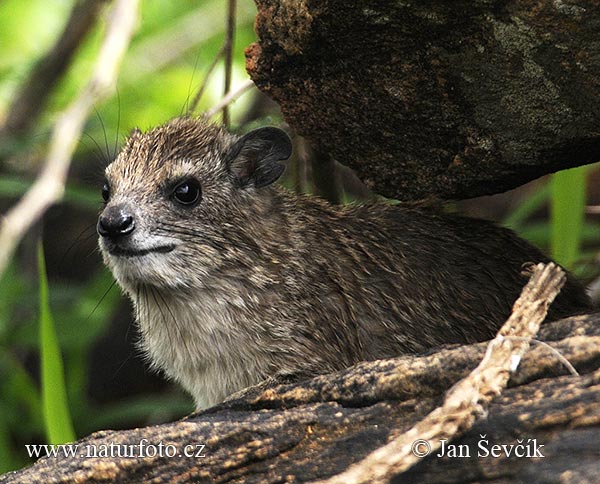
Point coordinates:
[(517, 218), (57, 419), (539, 234), (568, 189)]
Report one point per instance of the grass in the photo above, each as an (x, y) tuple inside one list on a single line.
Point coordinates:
[(57, 418), (568, 198)]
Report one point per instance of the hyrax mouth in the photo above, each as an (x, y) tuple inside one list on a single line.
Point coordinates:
[(117, 227), (119, 251)]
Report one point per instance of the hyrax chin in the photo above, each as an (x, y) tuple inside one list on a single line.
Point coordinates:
[(235, 281)]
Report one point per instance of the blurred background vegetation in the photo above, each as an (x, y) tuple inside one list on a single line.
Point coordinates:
[(107, 384)]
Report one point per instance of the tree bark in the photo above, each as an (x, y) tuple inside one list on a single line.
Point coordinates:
[(435, 98), (317, 428)]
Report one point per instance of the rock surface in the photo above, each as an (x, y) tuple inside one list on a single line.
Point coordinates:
[(446, 99), (317, 428)]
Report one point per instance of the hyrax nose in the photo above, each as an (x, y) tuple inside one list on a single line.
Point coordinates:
[(115, 221)]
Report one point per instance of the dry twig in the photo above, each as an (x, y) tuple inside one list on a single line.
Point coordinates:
[(49, 186), (228, 56), (204, 85), (226, 52), (466, 400), (229, 98), (186, 32)]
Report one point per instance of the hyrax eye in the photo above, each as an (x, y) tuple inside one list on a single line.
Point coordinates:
[(105, 192), (187, 193)]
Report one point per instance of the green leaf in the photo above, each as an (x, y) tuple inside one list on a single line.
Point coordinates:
[(6, 456), (539, 234), (57, 419), (568, 190)]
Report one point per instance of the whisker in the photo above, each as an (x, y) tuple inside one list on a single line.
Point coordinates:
[(181, 227), (98, 153), (164, 320), (118, 123), (172, 230), (123, 363), (147, 302), (95, 250), (101, 299), (104, 131), (77, 240), (167, 306), (178, 327), (198, 237), (137, 311)]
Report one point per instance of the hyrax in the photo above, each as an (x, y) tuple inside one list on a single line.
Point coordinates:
[(235, 280)]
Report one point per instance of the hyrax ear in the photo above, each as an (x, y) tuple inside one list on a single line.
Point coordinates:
[(254, 159)]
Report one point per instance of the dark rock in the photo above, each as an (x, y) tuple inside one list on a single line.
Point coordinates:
[(447, 99), (317, 428)]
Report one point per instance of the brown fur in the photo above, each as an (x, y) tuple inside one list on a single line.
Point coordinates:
[(265, 283)]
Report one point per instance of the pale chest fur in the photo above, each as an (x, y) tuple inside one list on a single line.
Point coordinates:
[(203, 343)]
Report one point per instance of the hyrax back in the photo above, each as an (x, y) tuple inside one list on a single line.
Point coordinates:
[(235, 280)]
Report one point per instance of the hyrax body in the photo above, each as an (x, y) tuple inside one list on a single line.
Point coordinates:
[(235, 280)]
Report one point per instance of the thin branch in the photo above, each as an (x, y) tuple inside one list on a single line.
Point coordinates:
[(229, 40), (467, 400), (50, 184), (167, 46), (229, 98), (204, 85), (31, 99), (592, 209)]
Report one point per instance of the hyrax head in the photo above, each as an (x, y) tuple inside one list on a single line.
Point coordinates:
[(173, 196)]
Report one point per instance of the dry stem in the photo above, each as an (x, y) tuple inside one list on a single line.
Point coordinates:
[(204, 85), (226, 52), (228, 56), (229, 98), (466, 400)]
